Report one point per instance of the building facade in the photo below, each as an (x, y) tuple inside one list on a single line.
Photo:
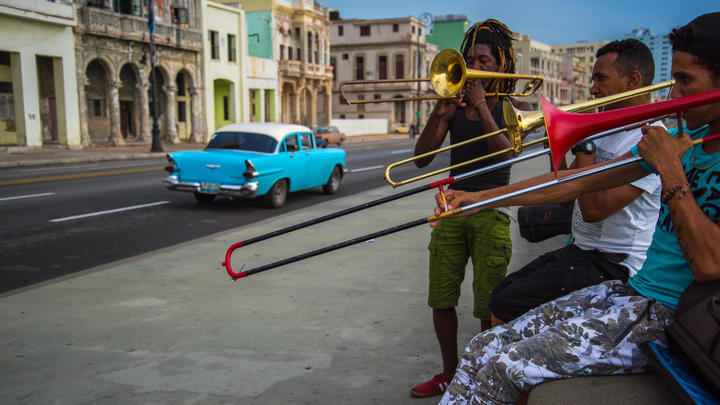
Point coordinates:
[(113, 70), (448, 31), (376, 50), (661, 49), (537, 59), (38, 98), (224, 60), (294, 33), (585, 54)]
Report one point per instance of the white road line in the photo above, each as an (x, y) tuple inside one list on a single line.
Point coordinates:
[(401, 151), (26, 196), (92, 214), (362, 169)]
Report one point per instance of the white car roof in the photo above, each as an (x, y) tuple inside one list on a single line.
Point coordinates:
[(277, 131)]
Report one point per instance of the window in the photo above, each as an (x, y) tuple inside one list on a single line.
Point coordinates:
[(282, 52), (334, 69), (341, 30), (396, 27), (382, 67), (365, 31), (359, 68), (179, 16), (226, 108), (413, 29), (345, 56), (399, 67), (298, 54), (297, 32), (420, 31), (180, 83), (309, 48), (376, 96), (232, 52), (306, 141), (291, 143), (290, 53), (214, 45), (95, 107)]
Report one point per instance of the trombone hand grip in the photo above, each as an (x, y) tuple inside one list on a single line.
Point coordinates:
[(227, 264)]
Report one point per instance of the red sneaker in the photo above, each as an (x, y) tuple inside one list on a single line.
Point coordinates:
[(434, 386)]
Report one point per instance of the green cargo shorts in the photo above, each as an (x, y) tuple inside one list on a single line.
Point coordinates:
[(484, 237)]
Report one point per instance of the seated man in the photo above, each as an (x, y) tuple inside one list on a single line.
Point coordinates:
[(598, 330), (611, 228)]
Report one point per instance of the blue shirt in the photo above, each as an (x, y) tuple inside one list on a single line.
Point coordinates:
[(665, 273)]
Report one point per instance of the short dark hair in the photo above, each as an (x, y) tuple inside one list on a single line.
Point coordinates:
[(499, 38), (632, 54), (700, 39)]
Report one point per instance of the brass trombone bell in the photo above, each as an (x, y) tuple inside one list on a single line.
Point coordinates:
[(518, 124), (448, 74)]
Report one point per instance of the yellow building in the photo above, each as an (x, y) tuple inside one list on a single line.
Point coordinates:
[(38, 97), (584, 52)]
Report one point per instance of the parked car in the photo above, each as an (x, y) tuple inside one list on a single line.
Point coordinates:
[(401, 128), (252, 160), (330, 134)]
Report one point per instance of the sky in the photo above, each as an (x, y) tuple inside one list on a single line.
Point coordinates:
[(549, 21)]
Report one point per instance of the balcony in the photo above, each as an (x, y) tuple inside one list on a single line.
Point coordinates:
[(107, 23)]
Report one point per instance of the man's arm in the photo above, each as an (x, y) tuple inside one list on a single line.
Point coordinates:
[(697, 235), (599, 205)]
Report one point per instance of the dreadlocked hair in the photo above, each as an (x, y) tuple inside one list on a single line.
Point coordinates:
[(498, 37)]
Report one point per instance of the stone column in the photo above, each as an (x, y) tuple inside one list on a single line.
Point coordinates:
[(82, 110), (170, 105), (196, 121), (115, 134), (313, 107), (144, 108)]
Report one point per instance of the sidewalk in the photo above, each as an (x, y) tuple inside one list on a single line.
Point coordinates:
[(24, 156)]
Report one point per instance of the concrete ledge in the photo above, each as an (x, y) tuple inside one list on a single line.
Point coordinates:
[(644, 389)]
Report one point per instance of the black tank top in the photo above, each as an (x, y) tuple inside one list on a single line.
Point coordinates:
[(461, 129)]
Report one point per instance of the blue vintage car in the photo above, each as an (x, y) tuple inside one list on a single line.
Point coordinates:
[(256, 160)]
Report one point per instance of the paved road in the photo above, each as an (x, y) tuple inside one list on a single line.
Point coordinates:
[(62, 219)]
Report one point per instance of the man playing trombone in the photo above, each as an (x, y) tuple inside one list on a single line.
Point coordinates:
[(611, 228), (598, 330), (485, 236)]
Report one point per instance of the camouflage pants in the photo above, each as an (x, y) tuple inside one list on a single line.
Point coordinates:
[(593, 331)]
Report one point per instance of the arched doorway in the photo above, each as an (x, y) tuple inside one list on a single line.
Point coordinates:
[(289, 102), (129, 106), (223, 102), (184, 119), (98, 101)]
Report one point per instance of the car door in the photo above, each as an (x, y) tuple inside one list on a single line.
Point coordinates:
[(295, 162), (314, 163)]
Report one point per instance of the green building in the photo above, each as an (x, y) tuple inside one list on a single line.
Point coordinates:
[(448, 31)]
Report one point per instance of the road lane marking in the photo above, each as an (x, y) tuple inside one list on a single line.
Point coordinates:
[(401, 151), (362, 169), (37, 169), (93, 214), (81, 175), (17, 197)]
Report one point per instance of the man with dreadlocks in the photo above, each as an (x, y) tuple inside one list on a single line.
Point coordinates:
[(484, 236)]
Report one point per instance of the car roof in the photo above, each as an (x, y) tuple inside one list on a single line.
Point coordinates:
[(277, 131)]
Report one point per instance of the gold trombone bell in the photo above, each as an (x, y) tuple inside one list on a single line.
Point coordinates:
[(448, 74)]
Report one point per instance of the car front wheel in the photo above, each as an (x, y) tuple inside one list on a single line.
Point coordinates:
[(204, 198), (277, 195), (333, 184)]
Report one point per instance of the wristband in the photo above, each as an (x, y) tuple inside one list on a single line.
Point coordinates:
[(668, 194)]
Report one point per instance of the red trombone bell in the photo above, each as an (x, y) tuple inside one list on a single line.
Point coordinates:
[(565, 129)]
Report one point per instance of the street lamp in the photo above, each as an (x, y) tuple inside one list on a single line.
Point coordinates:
[(156, 144)]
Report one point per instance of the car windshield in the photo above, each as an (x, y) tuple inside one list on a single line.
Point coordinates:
[(321, 130), (243, 141)]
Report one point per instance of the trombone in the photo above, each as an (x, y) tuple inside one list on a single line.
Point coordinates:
[(564, 130), (448, 74), (517, 125)]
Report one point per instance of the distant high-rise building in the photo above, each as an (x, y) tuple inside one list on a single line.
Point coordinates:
[(659, 45)]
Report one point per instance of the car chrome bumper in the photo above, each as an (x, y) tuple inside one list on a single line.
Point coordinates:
[(247, 190)]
